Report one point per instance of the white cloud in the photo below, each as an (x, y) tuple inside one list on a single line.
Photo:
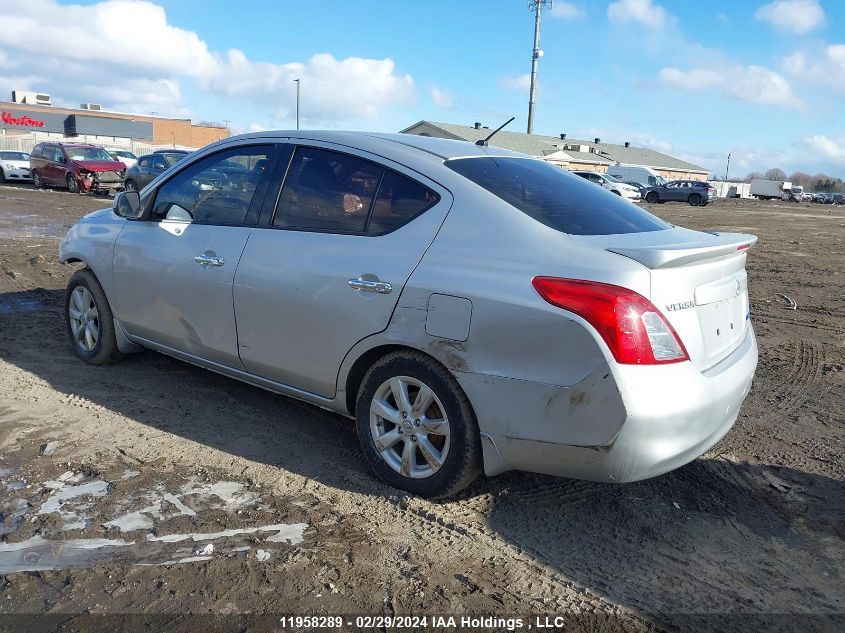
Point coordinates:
[(755, 84), (796, 16), (723, 18), (126, 55), (828, 148), (518, 82), (442, 98), (566, 11), (827, 67), (641, 11)]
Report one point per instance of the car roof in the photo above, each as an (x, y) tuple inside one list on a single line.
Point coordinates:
[(437, 148)]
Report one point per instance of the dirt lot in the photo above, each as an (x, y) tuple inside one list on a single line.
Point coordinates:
[(155, 458)]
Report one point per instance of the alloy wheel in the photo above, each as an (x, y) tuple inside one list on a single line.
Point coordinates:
[(409, 427), (84, 319)]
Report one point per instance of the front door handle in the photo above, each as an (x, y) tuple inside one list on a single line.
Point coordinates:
[(209, 260), (382, 287)]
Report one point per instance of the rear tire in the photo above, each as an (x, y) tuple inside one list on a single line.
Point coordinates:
[(2, 177), (89, 320), (695, 200), (652, 197), (433, 451), (36, 180)]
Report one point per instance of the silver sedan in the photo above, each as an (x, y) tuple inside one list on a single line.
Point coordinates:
[(471, 308)]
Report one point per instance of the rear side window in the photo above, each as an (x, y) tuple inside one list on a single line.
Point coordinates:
[(332, 192), (36, 152), (399, 201), (555, 197)]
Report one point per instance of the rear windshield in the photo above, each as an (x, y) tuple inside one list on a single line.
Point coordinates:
[(555, 197)]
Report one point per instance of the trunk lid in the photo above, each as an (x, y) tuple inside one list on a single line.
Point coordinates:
[(698, 282)]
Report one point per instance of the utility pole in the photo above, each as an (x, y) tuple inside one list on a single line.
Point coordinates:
[(536, 6), (297, 103), (728, 166)]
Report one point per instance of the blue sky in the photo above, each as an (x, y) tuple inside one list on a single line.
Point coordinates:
[(760, 79)]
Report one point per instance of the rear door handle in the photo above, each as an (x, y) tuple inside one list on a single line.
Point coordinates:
[(382, 287), (209, 260)]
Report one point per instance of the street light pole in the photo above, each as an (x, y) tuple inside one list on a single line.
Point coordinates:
[(728, 166), (536, 6), (297, 103)]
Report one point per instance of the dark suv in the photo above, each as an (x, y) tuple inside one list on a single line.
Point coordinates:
[(695, 192), (149, 166), (81, 167)]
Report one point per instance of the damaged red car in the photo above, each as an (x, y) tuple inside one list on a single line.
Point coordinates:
[(81, 167)]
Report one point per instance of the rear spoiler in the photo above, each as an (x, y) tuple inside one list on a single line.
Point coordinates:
[(670, 256)]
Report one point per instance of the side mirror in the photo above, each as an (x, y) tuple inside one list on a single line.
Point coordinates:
[(127, 204)]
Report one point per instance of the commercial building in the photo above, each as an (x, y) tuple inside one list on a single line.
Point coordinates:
[(35, 120), (567, 152)]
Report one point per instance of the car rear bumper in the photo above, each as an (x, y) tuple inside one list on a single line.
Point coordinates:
[(670, 415)]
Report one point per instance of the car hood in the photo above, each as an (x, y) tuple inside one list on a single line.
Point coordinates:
[(17, 164), (101, 165)]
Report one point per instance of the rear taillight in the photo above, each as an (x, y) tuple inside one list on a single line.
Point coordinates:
[(633, 328)]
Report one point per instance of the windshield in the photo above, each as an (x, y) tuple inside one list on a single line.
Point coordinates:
[(124, 154), (87, 153), (555, 197), (612, 178), (14, 156)]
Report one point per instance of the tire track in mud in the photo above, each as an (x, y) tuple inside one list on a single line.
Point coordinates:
[(804, 376)]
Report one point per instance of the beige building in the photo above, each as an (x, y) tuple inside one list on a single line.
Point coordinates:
[(45, 121), (566, 152)]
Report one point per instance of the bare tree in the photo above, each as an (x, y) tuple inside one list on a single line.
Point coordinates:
[(753, 175), (775, 173)]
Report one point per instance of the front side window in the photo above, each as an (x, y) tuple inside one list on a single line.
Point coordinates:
[(327, 191), (158, 163), (144, 161), (217, 189), (555, 197), (58, 156)]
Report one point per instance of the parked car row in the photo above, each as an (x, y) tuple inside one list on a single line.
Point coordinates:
[(827, 198), (84, 167), (635, 182)]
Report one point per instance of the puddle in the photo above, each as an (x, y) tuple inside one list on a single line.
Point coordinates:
[(40, 554), (284, 533), (77, 500), (28, 225), (20, 305)]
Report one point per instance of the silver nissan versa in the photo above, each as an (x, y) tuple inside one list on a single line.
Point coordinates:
[(471, 308)]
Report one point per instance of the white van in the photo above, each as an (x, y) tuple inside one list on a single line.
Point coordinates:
[(640, 174)]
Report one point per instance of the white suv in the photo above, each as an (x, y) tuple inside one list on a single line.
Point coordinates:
[(611, 183)]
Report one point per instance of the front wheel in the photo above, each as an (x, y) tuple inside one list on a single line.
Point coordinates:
[(89, 320), (694, 200), (651, 197), (416, 426), (72, 185)]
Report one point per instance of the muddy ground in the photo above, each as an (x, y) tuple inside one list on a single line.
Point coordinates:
[(115, 481)]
